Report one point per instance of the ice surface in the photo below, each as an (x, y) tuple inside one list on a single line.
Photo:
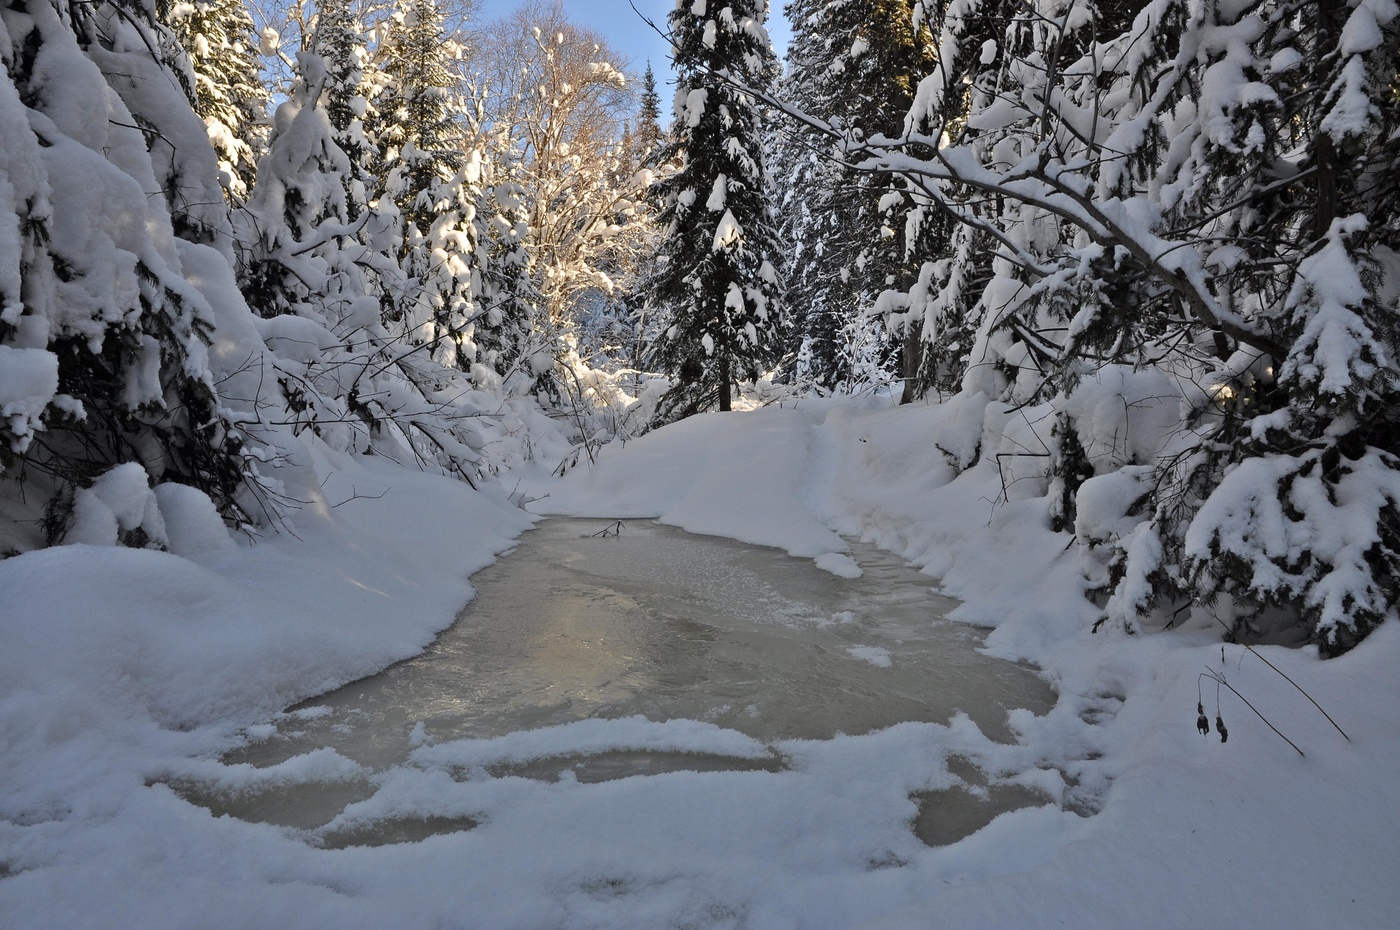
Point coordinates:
[(650, 623)]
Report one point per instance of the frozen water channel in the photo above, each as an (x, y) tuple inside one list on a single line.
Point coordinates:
[(583, 623)]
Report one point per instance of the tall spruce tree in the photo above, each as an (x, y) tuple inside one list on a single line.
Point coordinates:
[(853, 64), (717, 278), (226, 88), (443, 266), (338, 38), (419, 127), (646, 139), (511, 330), (416, 125)]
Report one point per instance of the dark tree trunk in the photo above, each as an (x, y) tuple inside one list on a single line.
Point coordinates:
[(911, 351), (1324, 150)]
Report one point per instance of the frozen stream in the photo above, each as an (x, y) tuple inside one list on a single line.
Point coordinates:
[(654, 622)]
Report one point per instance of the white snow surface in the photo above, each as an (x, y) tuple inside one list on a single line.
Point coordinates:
[(28, 385), (122, 669)]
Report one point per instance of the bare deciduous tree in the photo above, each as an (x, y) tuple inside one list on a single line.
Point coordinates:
[(559, 94)]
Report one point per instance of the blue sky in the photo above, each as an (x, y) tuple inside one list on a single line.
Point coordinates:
[(625, 31)]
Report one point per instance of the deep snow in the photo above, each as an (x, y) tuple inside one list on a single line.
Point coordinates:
[(121, 670)]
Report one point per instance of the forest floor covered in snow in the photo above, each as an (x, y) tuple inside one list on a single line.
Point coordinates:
[(124, 672)]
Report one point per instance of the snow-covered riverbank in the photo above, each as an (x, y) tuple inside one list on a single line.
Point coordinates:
[(120, 669)]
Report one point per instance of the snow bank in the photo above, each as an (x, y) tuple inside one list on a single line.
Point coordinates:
[(705, 477), (116, 664)]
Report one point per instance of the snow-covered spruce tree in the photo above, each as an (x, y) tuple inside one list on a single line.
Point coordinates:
[(717, 279), (225, 85), (656, 159), (813, 210), (297, 216), (416, 124), (648, 137), (420, 126), (853, 64), (103, 359), (145, 65), (1306, 515), (339, 38), (1284, 500), (443, 266), (1194, 274), (936, 311), (512, 317), (306, 269)]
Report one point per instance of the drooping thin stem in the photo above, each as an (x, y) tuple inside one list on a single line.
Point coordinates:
[(1285, 677), (1222, 681), (1300, 691)]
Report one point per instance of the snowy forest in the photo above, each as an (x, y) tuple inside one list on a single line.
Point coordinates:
[(1139, 259)]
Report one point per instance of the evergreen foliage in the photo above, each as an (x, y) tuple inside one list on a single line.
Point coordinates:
[(717, 278), (338, 38), (227, 91), (428, 174), (443, 267), (508, 330), (144, 65), (853, 64), (1190, 210), (647, 139), (416, 126), (103, 343)]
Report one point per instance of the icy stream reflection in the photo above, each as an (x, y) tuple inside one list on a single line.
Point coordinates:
[(659, 623)]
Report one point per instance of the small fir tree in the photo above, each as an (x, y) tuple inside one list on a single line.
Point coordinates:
[(647, 139)]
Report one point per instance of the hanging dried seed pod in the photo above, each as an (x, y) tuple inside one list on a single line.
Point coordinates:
[(1202, 723), (1220, 727)]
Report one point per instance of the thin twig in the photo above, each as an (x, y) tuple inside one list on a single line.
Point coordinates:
[(1289, 680), (1219, 679)]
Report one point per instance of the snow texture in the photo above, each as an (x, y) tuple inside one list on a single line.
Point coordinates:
[(28, 384)]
